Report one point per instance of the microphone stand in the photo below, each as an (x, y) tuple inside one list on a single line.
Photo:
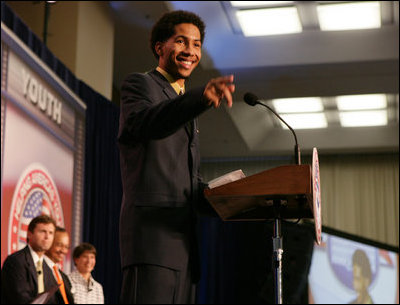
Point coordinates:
[(277, 257), (277, 236), (277, 242)]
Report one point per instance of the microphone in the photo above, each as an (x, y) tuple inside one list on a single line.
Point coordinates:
[(252, 100), (39, 272)]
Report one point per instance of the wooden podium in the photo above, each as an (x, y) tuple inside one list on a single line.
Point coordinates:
[(284, 192), (256, 197)]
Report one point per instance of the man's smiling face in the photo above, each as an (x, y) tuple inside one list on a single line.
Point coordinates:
[(181, 53)]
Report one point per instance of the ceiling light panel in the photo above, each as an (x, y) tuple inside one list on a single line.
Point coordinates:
[(349, 16), (361, 102), (363, 118), (305, 120), (269, 21), (295, 105), (259, 3)]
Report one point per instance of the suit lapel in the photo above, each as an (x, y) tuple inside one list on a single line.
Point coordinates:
[(189, 127), (48, 277), (49, 280), (31, 265), (171, 94), (164, 84)]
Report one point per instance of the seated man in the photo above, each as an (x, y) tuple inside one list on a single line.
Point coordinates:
[(85, 289), (25, 274), (54, 258)]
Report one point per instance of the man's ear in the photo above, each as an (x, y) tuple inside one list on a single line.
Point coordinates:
[(28, 236), (159, 48)]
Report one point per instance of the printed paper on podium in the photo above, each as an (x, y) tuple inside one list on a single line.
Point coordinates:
[(227, 178)]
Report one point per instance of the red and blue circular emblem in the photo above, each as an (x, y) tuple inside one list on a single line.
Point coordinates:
[(316, 196), (34, 195)]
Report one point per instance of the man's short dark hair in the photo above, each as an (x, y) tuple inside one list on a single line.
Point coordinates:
[(60, 229), (83, 247), (165, 27), (40, 219)]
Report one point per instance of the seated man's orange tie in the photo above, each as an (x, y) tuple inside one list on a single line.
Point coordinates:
[(60, 282)]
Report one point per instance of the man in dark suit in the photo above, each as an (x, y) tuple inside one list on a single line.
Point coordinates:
[(21, 277), (159, 155), (54, 258)]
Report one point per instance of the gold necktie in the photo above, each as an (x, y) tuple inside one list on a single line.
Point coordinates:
[(39, 270)]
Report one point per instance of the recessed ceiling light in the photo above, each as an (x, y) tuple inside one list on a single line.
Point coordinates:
[(361, 102), (363, 118), (349, 16), (303, 104), (269, 21), (305, 120), (258, 3)]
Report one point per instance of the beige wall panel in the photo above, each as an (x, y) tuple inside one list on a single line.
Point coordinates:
[(95, 47)]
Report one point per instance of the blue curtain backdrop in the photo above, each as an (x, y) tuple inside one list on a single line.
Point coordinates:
[(236, 256), (102, 189)]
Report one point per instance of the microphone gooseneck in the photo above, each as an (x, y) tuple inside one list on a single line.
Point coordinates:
[(252, 100)]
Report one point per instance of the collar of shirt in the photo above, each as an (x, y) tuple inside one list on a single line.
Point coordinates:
[(171, 80), (49, 262), (80, 279), (35, 256)]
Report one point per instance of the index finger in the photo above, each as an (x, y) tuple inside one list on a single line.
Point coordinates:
[(228, 97), (225, 79)]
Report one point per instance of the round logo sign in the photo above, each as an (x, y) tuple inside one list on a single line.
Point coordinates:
[(316, 196), (34, 195)]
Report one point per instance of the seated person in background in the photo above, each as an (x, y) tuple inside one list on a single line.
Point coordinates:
[(25, 274), (54, 258), (85, 289)]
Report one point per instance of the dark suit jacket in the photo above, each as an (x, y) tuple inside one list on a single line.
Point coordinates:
[(19, 279), (159, 157)]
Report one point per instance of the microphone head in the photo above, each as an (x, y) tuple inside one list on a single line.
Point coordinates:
[(250, 99)]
